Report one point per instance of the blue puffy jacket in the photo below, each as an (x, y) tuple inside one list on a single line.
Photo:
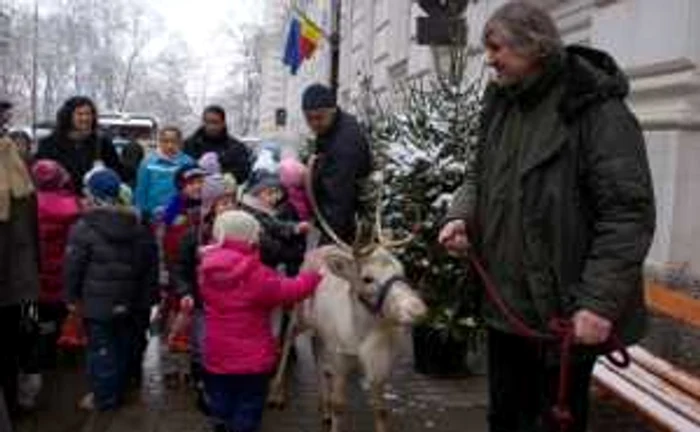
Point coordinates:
[(155, 183)]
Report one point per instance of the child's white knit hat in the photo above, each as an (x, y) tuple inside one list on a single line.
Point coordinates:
[(237, 225)]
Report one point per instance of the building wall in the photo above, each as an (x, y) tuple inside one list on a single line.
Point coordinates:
[(280, 88), (656, 42)]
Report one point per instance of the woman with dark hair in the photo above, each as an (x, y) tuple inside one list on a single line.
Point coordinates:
[(76, 143)]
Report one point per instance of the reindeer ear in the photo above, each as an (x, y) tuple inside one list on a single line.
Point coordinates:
[(342, 266)]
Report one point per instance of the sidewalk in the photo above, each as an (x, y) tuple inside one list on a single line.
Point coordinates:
[(417, 404)]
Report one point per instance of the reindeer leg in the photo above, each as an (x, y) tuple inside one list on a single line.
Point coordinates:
[(381, 413), (338, 400), (324, 380), (277, 395)]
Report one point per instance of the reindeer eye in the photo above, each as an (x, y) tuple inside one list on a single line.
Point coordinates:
[(368, 280)]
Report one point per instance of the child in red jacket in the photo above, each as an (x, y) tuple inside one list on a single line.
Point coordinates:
[(58, 209), (239, 295)]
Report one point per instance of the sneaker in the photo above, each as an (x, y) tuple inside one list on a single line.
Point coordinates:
[(87, 403)]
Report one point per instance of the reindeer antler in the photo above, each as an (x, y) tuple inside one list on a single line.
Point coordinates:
[(325, 226)]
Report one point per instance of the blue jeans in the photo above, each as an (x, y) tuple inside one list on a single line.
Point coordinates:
[(109, 354), (236, 402)]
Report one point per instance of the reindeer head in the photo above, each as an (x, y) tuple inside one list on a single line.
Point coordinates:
[(377, 280)]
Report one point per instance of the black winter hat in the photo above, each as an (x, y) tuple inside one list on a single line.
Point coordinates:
[(318, 96)]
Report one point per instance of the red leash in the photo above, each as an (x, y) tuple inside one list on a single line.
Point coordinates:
[(562, 333)]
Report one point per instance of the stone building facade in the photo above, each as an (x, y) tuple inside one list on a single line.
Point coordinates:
[(656, 42)]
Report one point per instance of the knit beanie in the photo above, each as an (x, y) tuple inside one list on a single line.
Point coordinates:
[(210, 163), (263, 180), (103, 186), (292, 173), (318, 96), (268, 158), (237, 225), (216, 186), (49, 175), (187, 173)]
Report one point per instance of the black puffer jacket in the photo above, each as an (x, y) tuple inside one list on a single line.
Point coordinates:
[(277, 238), (111, 263), (79, 157), (344, 161), (235, 158)]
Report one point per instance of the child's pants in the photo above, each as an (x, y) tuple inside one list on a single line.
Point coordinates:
[(236, 401), (109, 354)]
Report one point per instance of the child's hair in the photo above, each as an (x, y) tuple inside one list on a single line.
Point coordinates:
[(170, 128)]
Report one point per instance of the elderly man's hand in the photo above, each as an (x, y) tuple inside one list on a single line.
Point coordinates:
[(453, 237), (590, 328)]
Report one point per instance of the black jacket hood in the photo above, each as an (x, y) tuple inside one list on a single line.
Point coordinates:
[(114, 223), (590, 77)]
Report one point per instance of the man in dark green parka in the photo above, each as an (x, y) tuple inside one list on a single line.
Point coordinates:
[(562, 213)]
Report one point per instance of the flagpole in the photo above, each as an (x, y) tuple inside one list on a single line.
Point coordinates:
[(335, 44)]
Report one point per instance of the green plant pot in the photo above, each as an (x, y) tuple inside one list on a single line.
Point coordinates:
[(437, 354)]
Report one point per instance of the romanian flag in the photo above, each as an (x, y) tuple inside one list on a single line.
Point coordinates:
[(303, 38), (311, 36), (292, 51)]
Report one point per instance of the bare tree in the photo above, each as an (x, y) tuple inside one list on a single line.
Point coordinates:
[(241, 95)]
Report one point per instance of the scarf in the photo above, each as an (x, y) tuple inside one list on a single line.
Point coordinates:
[(15, 181)]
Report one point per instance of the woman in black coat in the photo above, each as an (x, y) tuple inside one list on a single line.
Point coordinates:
[(76, 142)]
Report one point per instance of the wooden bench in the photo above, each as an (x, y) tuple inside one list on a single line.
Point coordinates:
[(667, 397)]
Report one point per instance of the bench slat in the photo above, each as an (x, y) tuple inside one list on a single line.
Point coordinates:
[(644, 401), (663, 369)]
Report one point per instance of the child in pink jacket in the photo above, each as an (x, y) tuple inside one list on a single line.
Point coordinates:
[(239, 294)]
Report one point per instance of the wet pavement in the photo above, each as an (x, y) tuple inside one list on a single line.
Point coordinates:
[(417, 403)]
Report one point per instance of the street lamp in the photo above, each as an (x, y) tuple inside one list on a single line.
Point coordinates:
[(445, 31)]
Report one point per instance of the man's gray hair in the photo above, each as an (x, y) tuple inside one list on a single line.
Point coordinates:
[(526, 28)]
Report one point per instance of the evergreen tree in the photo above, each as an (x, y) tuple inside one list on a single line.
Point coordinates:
[(425, 148)]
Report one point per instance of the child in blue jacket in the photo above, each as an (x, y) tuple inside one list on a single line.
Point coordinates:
[(155, 183)]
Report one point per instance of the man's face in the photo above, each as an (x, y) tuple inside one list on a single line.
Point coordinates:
[(320, 120), (510, 66), (214, 124), (83, 119)]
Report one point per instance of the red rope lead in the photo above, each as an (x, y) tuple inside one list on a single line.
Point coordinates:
[(562, 333)]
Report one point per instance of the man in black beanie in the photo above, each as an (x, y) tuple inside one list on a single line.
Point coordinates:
[(344, 160)]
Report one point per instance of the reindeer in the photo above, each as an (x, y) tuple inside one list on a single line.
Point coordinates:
[(357, 317)]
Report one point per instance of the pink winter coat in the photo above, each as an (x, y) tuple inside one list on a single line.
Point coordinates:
[(239, 294), (58, 211)]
